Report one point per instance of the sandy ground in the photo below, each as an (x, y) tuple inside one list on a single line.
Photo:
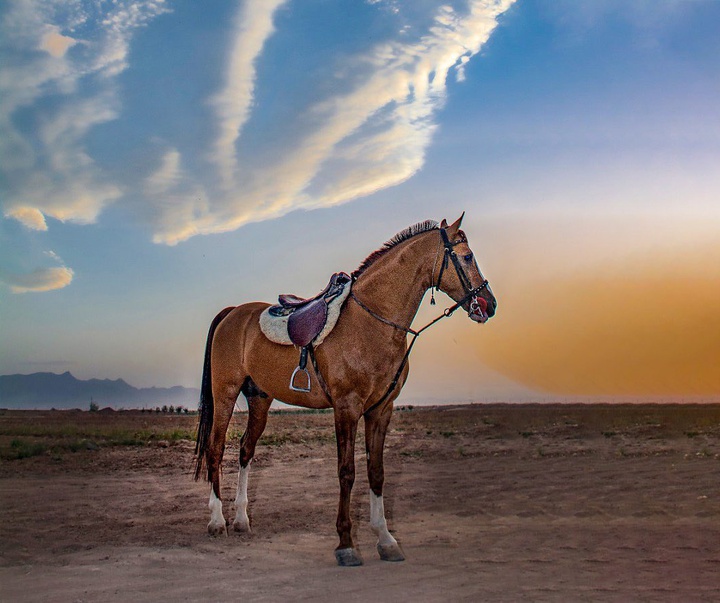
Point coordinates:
[(501, 503)]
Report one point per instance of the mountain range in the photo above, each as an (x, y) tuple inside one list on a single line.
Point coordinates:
[(50, 390)]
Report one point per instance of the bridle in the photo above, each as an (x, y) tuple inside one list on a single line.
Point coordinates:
[(449, 255)]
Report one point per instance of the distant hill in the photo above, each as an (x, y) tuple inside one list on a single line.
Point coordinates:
[(49, 390)]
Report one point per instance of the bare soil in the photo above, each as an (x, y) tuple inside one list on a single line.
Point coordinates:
[(490, 502)]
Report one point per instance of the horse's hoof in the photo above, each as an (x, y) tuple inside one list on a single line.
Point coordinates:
[(242, 527), (348, 557), (217, 529), (390, 552)]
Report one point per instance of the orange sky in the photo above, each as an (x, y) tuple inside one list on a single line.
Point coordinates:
[(648, 326)]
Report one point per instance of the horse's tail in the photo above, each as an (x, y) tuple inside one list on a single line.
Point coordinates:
[(206, 408)]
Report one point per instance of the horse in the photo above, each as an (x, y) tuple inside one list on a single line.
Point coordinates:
[(361, 368)]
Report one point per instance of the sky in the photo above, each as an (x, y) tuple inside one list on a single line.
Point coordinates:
[(162, 160)]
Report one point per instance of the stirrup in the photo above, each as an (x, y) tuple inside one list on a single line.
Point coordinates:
[(296, 388)]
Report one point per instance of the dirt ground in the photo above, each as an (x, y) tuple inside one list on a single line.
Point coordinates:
[(489, 502)]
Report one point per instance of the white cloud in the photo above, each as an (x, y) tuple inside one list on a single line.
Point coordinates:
[(55, 43), (117, 28), (28, 216), (51, 254), (42, 279)]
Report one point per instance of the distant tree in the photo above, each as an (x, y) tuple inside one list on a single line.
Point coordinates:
[(157, 409), (164, 408), (185, 410), (179, 409), (171, 409), (93, 406)]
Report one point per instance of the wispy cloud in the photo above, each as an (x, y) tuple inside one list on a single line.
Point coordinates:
[(371, 136), (47, 168), (365, 128), (60, 62)]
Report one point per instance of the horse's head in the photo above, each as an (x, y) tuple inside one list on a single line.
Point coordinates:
[(459, 276)]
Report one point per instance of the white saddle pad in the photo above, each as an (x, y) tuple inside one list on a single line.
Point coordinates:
[(275, 328)]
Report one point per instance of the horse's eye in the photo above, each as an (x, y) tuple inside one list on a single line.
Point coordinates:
[(468, 257)]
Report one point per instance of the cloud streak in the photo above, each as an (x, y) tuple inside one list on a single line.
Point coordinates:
[(254, 25)]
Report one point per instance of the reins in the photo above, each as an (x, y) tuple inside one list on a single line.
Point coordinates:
[(447, 312), (470, 293), (381, 319)]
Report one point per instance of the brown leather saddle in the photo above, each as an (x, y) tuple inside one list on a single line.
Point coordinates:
[(307, 318)]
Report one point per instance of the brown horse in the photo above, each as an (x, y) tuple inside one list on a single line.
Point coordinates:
[(362, 363)]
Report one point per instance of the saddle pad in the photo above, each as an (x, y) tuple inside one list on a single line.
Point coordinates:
[(275, 328)]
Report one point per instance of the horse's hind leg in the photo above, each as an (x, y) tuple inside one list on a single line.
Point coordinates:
[(224, 397), (258, 407), (376, 424)]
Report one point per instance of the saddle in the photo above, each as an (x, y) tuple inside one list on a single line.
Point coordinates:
[(305, 322)]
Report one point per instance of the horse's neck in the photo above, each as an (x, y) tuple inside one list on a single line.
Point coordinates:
[(394, 285)]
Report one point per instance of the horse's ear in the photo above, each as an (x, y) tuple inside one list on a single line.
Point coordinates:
[(443, 224), (455, 226)]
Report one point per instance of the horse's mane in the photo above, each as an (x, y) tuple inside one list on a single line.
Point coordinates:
[(403, 235)]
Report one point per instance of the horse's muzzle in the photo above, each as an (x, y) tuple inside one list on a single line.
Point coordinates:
[(478, 310)]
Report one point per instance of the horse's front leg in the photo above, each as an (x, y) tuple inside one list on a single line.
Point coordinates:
[(346, 420), (376, 424)]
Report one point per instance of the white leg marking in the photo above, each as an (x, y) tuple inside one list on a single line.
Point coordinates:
[(377, 521), (217, 520), (242, 521)]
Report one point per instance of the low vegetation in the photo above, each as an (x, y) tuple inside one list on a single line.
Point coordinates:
[(25, 434), (542, 429)]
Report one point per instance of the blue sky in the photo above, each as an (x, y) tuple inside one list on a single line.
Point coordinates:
[(162, 160)]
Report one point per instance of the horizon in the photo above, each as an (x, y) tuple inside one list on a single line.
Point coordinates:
[(161, 162), (532, 399)]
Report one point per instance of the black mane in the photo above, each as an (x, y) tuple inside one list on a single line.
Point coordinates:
[(403, 235)]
